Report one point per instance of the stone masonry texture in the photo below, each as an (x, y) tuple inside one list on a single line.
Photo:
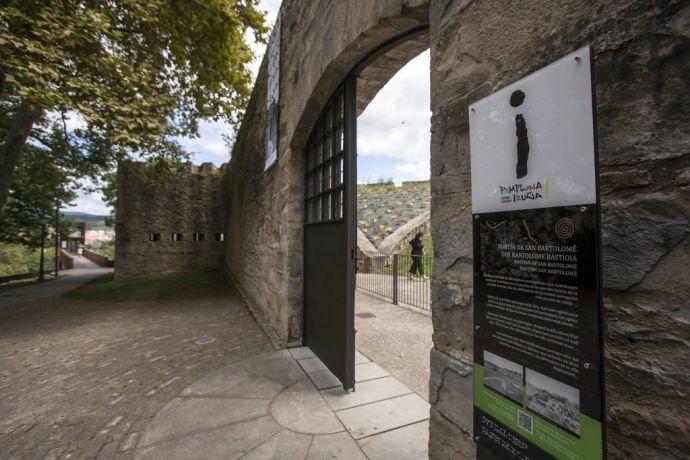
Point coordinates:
[(183, 202), (383, 208), (641, 52), (642, 63), (321, 41)]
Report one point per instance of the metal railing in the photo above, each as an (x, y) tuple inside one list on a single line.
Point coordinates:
[(391, 276)]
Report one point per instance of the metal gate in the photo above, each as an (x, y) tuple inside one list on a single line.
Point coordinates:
[(330, 234)]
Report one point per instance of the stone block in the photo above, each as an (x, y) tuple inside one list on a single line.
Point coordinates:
[(450, 389), (636, 234), (381, 416), (447, 440)]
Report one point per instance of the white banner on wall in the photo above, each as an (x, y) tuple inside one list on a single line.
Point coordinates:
[(273, 96), (532, 143)]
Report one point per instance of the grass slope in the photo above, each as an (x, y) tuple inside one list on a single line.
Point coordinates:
[(153, 287)]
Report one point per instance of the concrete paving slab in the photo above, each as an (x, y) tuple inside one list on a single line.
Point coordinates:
[(186, 415), (301, 408), (208, 420), (406, 443), (312, 365), (301, 352), (324, 379), (360, 358), (396, 339), (284, 445), (277, 366), (336, 446), (384, 415), (369, 371), (233, 382), (232, 441), (365, 393)]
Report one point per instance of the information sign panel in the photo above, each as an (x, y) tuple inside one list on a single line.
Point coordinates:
[(538, 390)]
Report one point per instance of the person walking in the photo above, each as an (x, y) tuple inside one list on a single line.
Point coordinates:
[(417, 251)]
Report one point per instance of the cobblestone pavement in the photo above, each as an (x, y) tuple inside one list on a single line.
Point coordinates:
[(397, 338), (82, 380)]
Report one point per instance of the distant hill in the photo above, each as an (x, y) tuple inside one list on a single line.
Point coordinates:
[(93, 222)]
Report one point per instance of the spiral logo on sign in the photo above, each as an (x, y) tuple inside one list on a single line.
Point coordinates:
[(565, 228)]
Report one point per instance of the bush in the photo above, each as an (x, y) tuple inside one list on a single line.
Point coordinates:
[(17, 259)]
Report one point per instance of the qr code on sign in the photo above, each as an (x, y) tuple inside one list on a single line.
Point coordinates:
[(525, 421)]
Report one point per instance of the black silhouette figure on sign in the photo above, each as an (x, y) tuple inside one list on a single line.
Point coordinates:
[(516, 100)]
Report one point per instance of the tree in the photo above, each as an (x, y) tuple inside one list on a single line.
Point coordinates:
[(39, 183), (137, 73)]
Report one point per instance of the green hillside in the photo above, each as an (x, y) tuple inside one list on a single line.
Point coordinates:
[(93, 221)]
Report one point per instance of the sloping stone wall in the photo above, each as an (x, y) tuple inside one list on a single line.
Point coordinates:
[(401, 238), (642, 59), (187, 202), (384, 208)]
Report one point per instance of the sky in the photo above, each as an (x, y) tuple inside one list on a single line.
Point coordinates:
[(393, 132)]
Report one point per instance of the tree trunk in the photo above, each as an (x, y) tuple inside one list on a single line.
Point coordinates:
[(13, 145)]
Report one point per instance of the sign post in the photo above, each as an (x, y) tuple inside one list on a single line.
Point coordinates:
[(538, 367)]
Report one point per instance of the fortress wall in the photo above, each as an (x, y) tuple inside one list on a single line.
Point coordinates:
[(321, 41), (187, 202)]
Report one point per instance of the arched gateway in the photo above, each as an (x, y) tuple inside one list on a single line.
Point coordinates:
[(291, 237)]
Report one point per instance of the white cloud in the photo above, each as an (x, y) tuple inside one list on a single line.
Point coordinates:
[(210, 145), (397, 122), (91, 203), (413, 170)]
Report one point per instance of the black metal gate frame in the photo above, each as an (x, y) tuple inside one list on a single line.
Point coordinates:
[(340, 211)]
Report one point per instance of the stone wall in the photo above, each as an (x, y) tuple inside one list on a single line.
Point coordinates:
[(98, 259), (477, 47), (186, 202), (384, 208), (66, 260), (642, 68), (321, 41)]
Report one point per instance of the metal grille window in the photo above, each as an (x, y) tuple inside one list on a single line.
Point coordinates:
[(324, 179)]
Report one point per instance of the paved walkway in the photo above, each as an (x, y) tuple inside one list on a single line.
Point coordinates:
[(286, 405), (397, 338), (83, 380), (84, 271), (183, 379)]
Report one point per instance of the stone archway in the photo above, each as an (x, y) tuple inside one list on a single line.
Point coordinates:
[(267, 208), (477, 47)]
